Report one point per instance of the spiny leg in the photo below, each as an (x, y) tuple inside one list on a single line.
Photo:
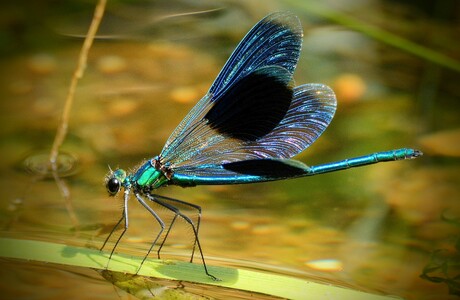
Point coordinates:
[(113, 230), (159, 220), (188, 220), (124, 215), (193, 206), (166, 235)]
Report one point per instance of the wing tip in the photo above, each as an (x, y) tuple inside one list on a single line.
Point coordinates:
[(286, 19), (323, 93)]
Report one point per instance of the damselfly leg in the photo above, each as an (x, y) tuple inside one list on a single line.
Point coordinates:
[(186, 204), (163, 201)]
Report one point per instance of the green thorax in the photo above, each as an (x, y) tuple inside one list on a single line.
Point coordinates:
[(152, 175)]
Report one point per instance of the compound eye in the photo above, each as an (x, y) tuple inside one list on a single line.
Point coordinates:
[(113, 186)]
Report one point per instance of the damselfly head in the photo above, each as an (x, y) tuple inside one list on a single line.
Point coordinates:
[(114, 181)]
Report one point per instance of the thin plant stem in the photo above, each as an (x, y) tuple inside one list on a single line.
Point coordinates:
[(65, 192), (64, 121), (81, 65)]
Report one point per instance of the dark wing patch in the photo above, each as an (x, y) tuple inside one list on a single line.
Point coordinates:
[(270, 168), (254, 105)]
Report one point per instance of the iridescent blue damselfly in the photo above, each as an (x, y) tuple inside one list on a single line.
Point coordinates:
[(244, 130)]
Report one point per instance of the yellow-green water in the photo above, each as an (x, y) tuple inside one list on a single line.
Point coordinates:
[(371, 228)]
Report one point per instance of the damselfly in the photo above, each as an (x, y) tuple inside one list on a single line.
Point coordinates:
[(244, 130)]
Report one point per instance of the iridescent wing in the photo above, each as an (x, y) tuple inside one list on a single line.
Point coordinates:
[(311, 111), (274, 41), (251, 110)]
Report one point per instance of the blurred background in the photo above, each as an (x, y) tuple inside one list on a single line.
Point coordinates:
[(391, 228)]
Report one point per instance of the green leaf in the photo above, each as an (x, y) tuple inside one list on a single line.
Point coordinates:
[(240, 279)]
